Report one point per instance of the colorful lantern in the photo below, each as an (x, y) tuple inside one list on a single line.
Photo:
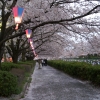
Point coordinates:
[(32, 46), (31, 42), (34, 53), (18, 13), (28, 33)]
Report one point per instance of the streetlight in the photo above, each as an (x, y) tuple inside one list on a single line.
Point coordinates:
[(18, 14)]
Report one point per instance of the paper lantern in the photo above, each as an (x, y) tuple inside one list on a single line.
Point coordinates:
[(31, 42), (18, 13), (28, 33)]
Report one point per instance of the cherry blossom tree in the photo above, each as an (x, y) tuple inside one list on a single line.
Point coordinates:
[(69, 17)]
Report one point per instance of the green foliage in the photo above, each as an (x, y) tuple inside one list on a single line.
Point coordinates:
[(7, 66), (13, 84), (8, 84), (29, 68), (80, 70), (26, 62)]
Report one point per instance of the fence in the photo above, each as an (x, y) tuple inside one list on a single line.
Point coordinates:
[(91, 61)]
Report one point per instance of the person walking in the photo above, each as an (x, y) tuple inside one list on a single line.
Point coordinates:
[(45, 60), (39, 63)]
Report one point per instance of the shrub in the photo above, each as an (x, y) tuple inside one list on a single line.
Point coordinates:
[(80, 70), (8, 84), (7, 66)]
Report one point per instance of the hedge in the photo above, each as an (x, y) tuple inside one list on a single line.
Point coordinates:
[(8, 84), (7, 66), (79, 70)]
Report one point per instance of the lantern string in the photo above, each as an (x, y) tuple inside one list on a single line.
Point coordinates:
[(31, 43), (16, 26)]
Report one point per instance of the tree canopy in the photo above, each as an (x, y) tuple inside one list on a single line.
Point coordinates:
[(71, 18)]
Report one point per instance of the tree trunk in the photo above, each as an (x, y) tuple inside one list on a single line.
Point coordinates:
[(15, 58), (1, 53), (23, 56), (5, 58)]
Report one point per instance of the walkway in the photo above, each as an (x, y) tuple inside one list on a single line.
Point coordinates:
[(51, 84)]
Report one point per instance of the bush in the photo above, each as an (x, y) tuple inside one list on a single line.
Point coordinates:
[(8, 84), (7, 66), (12, 77), (80, 70)]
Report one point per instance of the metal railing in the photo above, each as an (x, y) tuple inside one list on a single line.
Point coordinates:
[(90, 61)]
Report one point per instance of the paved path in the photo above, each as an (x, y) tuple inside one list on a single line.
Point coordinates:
[(51, 84)]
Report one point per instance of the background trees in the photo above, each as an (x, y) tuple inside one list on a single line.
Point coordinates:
[(16, 47)]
